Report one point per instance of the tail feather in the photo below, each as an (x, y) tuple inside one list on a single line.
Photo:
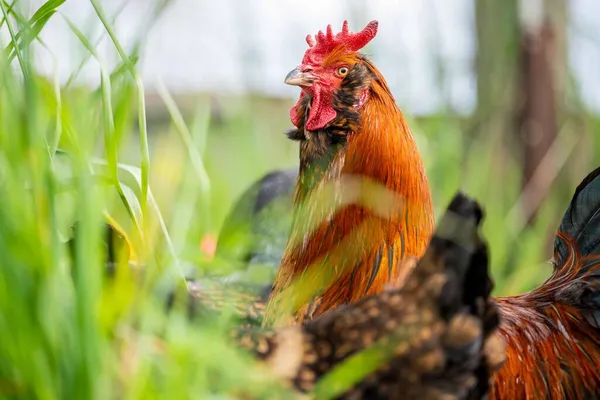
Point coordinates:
[(577, 251), (581, 221)]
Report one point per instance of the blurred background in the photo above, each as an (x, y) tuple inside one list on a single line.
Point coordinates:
[(503, 97)]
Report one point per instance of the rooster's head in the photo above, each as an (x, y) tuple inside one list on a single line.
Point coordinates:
[(328, 65)]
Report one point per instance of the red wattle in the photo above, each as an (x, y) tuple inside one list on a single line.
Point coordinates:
[(320, 121), (321, 112)]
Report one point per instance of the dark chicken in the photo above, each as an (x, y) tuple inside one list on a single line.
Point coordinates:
[(254, 234), (434, 337)]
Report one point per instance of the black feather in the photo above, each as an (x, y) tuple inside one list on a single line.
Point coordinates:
[(581, 221), (580, 228)]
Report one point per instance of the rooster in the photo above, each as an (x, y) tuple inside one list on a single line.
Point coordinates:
[(432, 339), (553, 332), (349, 126)]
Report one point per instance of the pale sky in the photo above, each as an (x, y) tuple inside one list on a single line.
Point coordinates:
[(239, 45)]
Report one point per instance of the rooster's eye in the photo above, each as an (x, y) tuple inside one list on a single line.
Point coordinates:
[(342, 71)]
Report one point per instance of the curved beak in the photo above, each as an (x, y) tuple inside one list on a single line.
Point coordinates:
[(298, 78)]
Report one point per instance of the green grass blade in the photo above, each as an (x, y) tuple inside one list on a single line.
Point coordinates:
[(143, 131)]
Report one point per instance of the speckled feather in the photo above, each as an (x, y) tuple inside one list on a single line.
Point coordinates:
[(213, 296)]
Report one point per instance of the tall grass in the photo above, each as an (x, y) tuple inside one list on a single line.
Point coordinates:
[(72, 153), (67, 331)]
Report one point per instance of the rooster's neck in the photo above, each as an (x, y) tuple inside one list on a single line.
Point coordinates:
[(362, 205)]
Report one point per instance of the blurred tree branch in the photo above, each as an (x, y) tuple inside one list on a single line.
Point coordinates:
[(497, 31), (542, 86), (521, 69), (496, 65)]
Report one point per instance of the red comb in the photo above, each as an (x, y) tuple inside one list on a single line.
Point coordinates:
[(326, 42)]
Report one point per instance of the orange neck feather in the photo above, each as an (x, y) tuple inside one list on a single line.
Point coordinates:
[(357, 251)]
